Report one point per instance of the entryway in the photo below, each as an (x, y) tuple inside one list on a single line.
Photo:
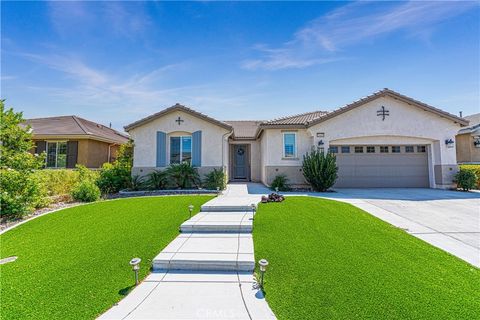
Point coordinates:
[(240, 159)]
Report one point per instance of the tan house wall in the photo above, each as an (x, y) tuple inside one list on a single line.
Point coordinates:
[(466, 151)]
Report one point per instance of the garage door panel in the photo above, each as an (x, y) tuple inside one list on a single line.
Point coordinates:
[(375, 170)]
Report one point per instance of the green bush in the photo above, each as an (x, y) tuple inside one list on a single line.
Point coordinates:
[(113, 178), (57, 181), (466, 179), (215, 179), (183, 176), (320, 170), (86, 191), (137, 183), (281, 182), (157, 180), (474, 168)]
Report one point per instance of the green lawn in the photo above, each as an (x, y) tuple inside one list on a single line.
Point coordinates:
[(73, 264), (332, 260)]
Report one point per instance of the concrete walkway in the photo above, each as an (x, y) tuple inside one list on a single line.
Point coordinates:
[(207, 271)]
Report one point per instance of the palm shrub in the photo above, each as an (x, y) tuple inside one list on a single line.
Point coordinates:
[(320, 170), (215, 179), (183, 175), (281, 182), (157, 180), (137, 183), (466, 179)]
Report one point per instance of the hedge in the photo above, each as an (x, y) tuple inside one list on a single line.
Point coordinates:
[(475, 168)]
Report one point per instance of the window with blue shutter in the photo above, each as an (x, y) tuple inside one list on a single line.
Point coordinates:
[(197, 149)]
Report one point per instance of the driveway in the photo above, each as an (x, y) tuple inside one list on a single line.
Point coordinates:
[(449, 220)]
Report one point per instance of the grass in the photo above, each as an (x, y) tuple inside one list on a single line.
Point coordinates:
[(331, 260), (74, 263)]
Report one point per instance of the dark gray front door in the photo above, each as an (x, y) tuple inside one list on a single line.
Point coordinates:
[(240, 162)]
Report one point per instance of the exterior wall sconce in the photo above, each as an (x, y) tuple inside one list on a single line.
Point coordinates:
[(476, 143), (190, 209), (263, 268), (449, 143), (321, 143), (135, 263)]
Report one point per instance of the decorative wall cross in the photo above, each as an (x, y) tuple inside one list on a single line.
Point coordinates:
[(179, 121), (382, 112)]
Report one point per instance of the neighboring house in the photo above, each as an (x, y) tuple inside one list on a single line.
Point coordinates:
[(71, 140), (468, 141), (383, 140)]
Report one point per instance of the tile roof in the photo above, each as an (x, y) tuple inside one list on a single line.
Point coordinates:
[(298, 119), (244, 129), (73, 125)]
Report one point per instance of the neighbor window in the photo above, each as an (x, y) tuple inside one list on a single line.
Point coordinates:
[(289, 145), (358, 149), (333, 149), (395, 149), (345, 149), (57, 154), (181, 149), (370, 149), (384, 149), (409, 149), (421, 149)]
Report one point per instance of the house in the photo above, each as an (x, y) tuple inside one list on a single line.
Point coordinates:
[(71, 140), (383, 140), (468, 141)]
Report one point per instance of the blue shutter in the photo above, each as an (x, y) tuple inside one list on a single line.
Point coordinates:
[(161, 149), (197, 149)]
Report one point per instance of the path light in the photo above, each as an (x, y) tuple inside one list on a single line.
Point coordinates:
[(218, 190), (263, 267), (135, 263), (254, 207), (190, 208), (276, 189)]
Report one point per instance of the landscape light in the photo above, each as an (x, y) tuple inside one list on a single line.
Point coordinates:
[(190, 208), (254, 207), (135, 263), (276, 189), (263, 267)]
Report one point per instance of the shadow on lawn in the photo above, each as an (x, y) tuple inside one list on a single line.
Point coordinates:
[(125, 290)]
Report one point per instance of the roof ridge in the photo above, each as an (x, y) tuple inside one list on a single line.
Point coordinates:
[(77, 121), (102, 126), (295, 115)]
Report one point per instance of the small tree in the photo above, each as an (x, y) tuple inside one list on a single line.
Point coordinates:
[(320, 170), (466, 179), (20, 190)]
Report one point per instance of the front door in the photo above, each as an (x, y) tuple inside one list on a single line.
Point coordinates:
[(240, 162)]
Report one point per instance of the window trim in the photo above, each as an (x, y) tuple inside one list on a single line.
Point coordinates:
[(294, 156), (387, 148), (370, 149), (341, 149), (358, 149), (393, 148), (56, 142), (181, 148)]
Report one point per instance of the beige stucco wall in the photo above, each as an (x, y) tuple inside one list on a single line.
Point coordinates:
[(214, 139), (406, 124), (466, 151)]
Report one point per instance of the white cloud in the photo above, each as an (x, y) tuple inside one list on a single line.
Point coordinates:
[(323, 39)]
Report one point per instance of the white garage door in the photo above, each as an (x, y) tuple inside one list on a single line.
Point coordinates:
[(374, 166)]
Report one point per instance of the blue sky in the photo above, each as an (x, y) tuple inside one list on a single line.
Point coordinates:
[(120, 61)]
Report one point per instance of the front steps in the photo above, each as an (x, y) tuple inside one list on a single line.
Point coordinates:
[(219, 222)]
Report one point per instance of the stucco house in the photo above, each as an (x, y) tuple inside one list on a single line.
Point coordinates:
[(468, 141), (71, 140), (383, 140)]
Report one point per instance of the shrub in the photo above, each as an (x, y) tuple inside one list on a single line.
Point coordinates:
[(320, 170), (56, 182), (137, 183), (215, 179), (86, 191), (281, 182), (183, 176), (474, 168), (466, 179), (157, 180), (113, 178), (20, 191)]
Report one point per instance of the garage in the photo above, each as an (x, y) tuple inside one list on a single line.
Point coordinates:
[(381, 166)]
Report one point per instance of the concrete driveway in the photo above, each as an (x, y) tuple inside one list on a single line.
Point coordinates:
[(449, 220)]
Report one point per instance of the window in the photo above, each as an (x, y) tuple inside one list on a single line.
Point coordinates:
[(383, 149), (370, 149), (345, 149), (57, 154), (395, 149), (289, 145), (421, 149), (358, 149), (333, 149), (409, 149), (181, 149)]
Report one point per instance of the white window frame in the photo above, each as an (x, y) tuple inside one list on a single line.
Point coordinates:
[(56, 153), (181, 148), (294, 156)]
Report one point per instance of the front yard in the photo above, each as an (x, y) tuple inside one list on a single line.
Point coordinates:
[(74, 263), (332, 260)]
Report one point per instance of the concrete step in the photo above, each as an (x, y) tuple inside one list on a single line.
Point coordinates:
[(207, 252), (226, 208), (219, 222)]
